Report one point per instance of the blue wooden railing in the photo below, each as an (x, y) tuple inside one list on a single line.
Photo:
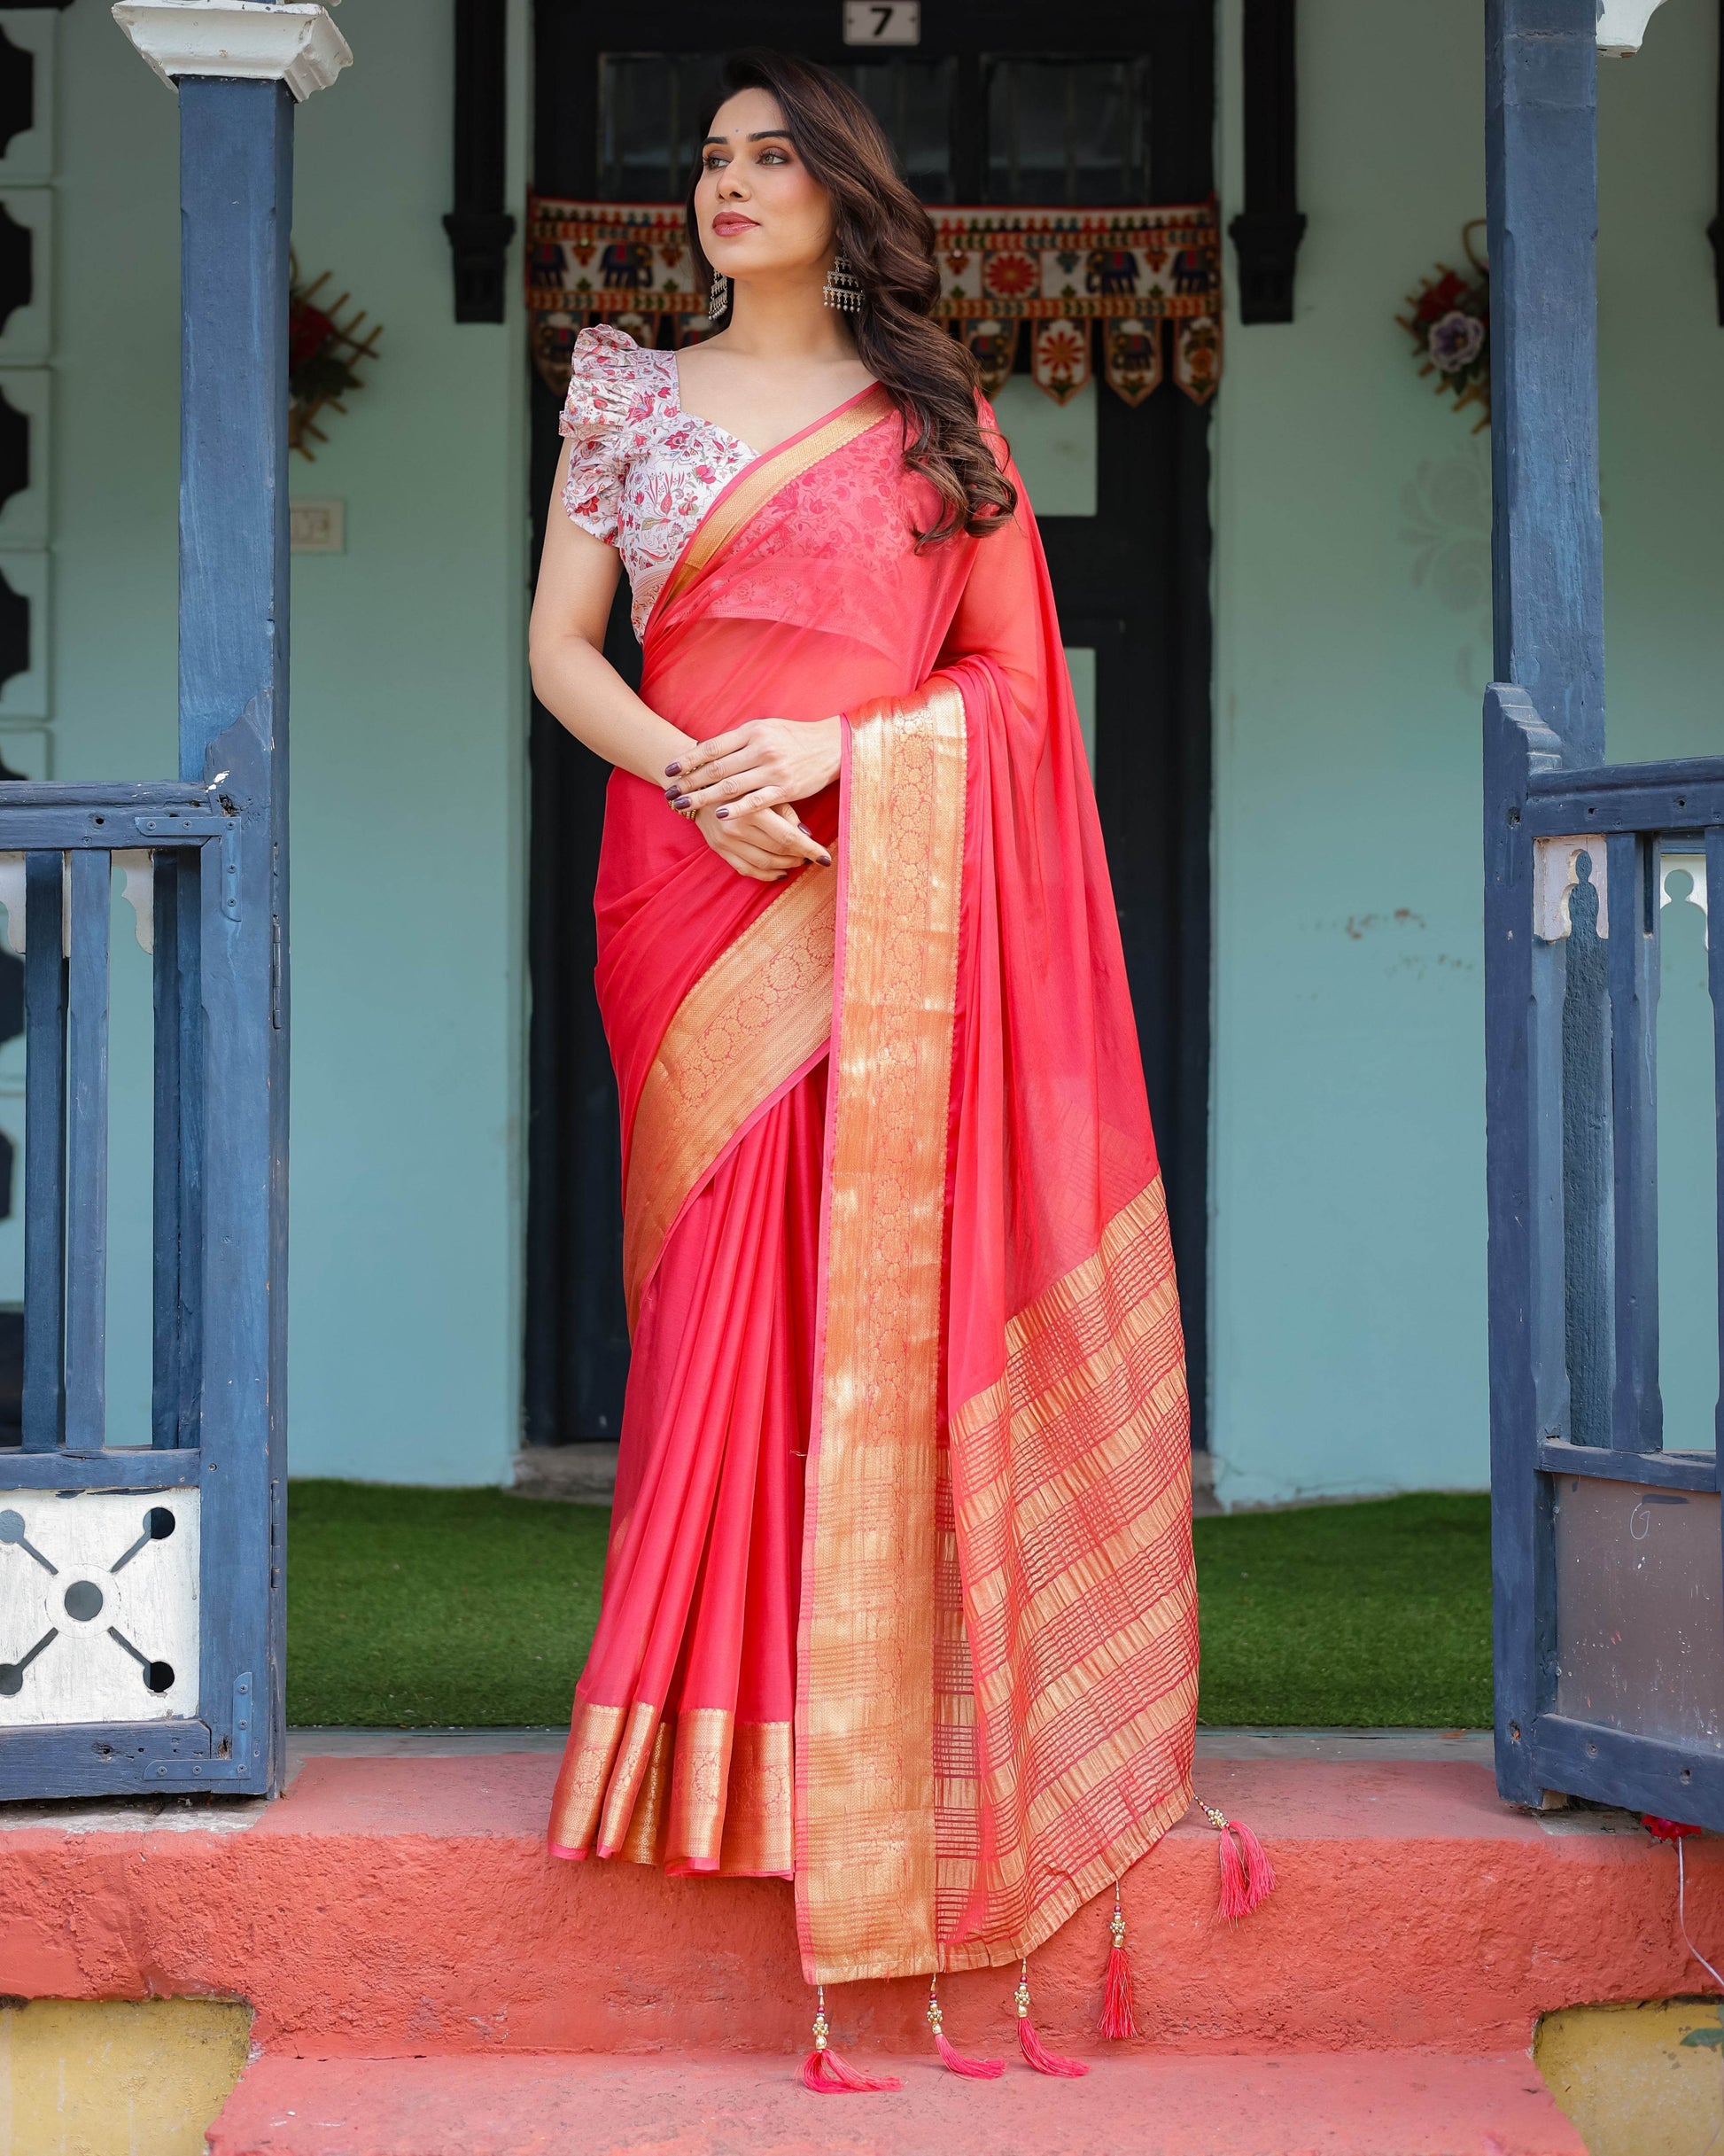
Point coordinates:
[(66, 838), (1574, 1311), (203, 1435)]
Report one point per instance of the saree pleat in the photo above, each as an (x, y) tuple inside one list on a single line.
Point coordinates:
[(696, 1634), (899, 1600)]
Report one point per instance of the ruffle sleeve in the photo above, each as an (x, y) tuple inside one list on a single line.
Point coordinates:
[(603, 387)]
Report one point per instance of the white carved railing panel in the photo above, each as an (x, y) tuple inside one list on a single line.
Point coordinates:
[(1555, 873), (1693, 865), (99, 1606), (138, 891)]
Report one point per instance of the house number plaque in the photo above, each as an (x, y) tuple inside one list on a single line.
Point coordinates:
[(882, 23)]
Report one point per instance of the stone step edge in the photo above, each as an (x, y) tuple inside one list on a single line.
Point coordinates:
[(1345, 2104)]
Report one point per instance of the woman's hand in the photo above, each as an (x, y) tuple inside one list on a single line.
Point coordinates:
[(764, 844), (769, 763)]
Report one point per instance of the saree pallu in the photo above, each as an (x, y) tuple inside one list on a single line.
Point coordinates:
[(899, 1600)]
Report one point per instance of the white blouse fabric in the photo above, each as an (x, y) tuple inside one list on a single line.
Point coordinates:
[(642, 473)]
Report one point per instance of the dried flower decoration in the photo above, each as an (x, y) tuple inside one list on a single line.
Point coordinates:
[(1449, 321), (323, 356)]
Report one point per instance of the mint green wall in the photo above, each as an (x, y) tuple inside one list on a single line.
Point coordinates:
[(1353, 639), (406, 729)]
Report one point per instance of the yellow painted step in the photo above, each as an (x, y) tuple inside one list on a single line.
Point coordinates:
[(1638, 2080), (117, 2077)]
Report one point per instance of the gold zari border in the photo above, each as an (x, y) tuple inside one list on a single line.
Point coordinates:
[(762, 480), (752, 1019), (759, 1818), (580, 1782), (866, 1770), (697, 1791)]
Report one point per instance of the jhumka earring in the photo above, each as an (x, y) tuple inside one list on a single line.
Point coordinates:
[(718, 299), (843, 288)]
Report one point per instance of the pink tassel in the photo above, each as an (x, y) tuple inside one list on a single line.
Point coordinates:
[(1035, 2052), (1247, 1877), (827, 2074), (973, 2069), (1117, 2018)]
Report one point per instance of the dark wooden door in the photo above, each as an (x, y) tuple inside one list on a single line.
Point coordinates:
[(991, 107)]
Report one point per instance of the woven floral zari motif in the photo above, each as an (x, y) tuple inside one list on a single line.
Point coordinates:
[(895, 1219)]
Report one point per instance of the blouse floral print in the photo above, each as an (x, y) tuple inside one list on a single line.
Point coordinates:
[(642, 473)]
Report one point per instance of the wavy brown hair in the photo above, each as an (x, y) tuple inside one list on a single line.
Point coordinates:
[(888, 238)]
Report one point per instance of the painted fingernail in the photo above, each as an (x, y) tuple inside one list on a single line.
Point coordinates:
[(803, 828), (672, 770), (723, 812), (680, 801), (826, 860)]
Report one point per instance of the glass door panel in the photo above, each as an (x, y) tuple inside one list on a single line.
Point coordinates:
[(912, 99), (1066, 130), (651, 105)]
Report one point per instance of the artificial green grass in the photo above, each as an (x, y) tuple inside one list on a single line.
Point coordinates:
[(1349, 1616), (414, 1608)]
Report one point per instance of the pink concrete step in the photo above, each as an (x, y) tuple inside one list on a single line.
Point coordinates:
[(1380, 2105), (391, 1906)]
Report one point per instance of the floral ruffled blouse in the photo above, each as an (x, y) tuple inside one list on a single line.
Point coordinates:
[(642, 473)]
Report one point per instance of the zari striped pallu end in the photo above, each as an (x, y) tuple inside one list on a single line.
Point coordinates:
[(864, 1737), (752, 1022), (1076, 1668)]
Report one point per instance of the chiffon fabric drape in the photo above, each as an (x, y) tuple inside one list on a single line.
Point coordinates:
[(899, 1600)]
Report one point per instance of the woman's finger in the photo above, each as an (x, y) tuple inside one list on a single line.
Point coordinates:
[(769, 796), (707, 790), (754, 801), (761, 873), (704, 752), (710, 789), (744, 758), (791, 833), (756, 852), (709, 794)]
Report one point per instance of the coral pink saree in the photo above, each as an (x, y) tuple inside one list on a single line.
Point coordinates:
[(899, 1600)]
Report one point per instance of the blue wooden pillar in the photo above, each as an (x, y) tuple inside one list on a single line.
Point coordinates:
[(1550, 1263), (1542, 175), (222, 975), (236, 201)]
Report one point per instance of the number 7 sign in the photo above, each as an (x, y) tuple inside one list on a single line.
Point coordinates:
[(882, 23)]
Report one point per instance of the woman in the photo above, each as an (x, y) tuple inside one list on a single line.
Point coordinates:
[(899, 1600)]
